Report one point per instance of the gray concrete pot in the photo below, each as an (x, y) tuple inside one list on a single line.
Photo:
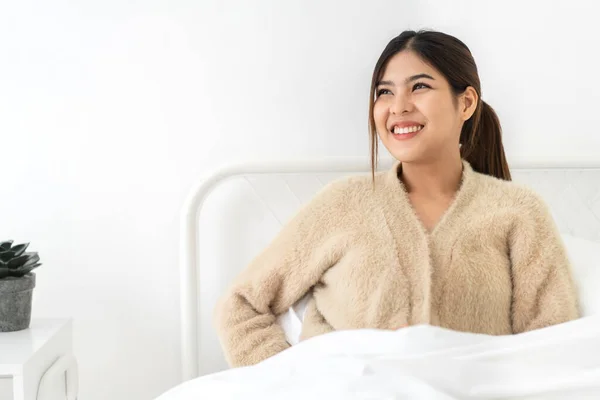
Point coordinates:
[(15, 302)]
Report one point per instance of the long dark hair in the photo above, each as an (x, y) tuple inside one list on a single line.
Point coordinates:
[(481, 135)]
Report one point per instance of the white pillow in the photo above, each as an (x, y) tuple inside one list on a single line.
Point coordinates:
[(585, 259)]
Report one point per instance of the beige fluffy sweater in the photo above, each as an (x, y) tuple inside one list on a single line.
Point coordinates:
[(493, 264)]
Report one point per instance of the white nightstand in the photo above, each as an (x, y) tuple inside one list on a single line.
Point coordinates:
[(38, 363)]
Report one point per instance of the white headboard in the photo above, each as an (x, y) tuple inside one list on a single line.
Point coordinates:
[(249, 202)]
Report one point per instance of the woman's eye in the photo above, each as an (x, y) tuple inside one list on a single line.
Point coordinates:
[(383, 91), (420, 85)]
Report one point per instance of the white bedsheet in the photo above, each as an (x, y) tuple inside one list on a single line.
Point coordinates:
[(421, 362)]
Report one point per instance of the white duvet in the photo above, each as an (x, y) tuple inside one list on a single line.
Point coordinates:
[(420, 362)]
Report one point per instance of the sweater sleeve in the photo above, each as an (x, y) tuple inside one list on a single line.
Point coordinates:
[(307, 245), (544, 292)]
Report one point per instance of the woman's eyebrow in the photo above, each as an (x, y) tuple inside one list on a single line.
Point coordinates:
[(407, 80)]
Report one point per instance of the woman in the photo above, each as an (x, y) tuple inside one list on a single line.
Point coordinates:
[(443, 238)]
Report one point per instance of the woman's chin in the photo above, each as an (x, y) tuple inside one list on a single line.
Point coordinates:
[(404, 154)]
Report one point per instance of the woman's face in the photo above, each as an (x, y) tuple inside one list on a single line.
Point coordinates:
[(415, 112)]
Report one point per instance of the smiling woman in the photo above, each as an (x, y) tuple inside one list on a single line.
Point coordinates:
[(425, 87), (443, 238)]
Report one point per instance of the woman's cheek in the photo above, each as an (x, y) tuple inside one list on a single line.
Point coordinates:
[(379, 116)]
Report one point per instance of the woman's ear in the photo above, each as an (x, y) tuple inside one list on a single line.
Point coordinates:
[(468, 103)]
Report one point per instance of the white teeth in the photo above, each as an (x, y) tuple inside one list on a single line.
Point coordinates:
[(410, 129)]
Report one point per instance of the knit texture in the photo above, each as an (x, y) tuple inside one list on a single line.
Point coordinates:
[(494, 264)]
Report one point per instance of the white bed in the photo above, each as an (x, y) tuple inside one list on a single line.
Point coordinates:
[(235, 211)]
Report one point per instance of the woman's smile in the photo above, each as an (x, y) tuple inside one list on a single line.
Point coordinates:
[(405, 131)]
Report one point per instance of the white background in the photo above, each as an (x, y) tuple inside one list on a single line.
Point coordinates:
[(111, 110)]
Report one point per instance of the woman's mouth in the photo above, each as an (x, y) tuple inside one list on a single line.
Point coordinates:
[(406, 132)]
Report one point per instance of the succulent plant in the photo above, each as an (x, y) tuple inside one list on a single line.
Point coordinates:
[(14, 261)]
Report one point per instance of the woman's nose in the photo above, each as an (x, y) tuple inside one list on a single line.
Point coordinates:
[(400, 105)]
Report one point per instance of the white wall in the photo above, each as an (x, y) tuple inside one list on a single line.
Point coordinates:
[(110, 110)]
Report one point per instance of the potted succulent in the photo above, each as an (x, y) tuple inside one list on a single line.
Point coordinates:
[(16, 285)]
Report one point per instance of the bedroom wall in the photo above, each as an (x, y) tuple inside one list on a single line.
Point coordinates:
[(110, 111)]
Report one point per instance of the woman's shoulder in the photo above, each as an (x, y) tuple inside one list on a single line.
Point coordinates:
[(343, 193), (511, 194)]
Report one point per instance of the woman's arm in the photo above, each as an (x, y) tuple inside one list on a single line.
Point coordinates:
[(279, 276), (544, 293)]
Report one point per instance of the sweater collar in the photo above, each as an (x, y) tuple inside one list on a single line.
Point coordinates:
[(463, 195)]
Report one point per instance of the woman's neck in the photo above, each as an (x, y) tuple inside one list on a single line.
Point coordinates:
[(439, 178)]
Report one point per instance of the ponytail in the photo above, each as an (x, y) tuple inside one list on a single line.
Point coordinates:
[(481, 143)]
